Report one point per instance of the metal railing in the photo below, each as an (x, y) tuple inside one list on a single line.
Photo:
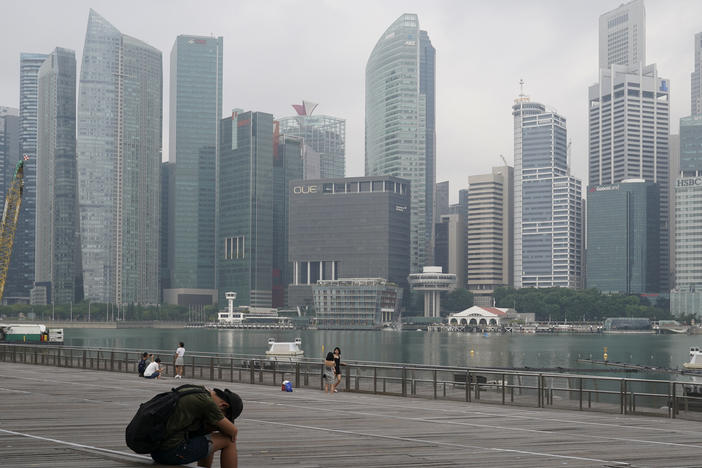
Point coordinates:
[(495, 386)]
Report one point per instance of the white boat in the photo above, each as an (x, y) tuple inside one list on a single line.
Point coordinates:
[(695, 359), (284, 349)]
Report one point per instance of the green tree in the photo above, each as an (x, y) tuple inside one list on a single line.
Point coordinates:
[(457, 300)]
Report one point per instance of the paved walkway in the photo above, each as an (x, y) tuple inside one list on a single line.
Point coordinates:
[(59, 417)]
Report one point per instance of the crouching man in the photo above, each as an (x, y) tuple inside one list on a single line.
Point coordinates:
[(201, 424)]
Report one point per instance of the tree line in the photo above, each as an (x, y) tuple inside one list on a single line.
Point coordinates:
[(580, 305)]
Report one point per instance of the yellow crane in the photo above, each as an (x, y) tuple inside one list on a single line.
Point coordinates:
[(8, 225)]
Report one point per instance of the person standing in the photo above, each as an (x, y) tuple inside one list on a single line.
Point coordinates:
[(329, 377), (179, 360), (337, 367)]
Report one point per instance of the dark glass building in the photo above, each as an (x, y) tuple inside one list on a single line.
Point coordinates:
[(356, 227), (287, 166), (245, 210), (58, 254), (195, 113), (622, 231)]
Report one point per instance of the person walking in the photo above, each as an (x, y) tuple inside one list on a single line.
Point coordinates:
[(337, 368), (329, 377), (179, 360)]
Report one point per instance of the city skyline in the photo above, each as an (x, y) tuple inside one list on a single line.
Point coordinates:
[(337, 81)]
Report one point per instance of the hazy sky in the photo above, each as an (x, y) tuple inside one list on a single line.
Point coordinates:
[(278, 52)]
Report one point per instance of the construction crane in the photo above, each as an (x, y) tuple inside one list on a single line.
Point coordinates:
[(8, 225)]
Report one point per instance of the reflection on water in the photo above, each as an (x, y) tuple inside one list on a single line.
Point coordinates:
[(434, 348)]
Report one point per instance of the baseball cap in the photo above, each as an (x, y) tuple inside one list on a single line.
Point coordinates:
[(234, 401)]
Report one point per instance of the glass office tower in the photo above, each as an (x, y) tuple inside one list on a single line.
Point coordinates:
[(195, 112), (119, 159), (245, 227), (400, 123), (21, 272), (58, 259)]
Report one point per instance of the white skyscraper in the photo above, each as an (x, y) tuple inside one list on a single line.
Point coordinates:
[(549, 214), (623, 35), (629, 115)]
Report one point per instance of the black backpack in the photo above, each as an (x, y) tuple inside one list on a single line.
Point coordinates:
[(147, 429)]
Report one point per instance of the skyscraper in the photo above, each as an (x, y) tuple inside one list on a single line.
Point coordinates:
[(490, 233), (21, 273), (287, 166), (622, 232), (245, 214), (696, 78), (119, 160), (400, 123), (58, 259), (548, 216), (9, 146), (195, 112), (324, 140), (629, 115), (623, 36)]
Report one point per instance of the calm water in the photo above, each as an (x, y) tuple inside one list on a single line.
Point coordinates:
[(437, 348)]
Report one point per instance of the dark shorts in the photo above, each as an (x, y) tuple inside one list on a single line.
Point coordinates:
[(192, 450)]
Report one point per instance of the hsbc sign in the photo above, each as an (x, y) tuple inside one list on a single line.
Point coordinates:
[(692, 181), (304, 189)]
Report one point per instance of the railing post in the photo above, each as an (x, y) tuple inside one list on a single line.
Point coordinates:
[(622, 392), (468, 385), (251, 368), (503, 389), (57, 362), (404, 381), (580, 392), (275, 374), (348, 378), (675, 401), (211, 368), (670, 399), (375, 379), (112, 360), (297, 375), (192, 367), (434, 382), (231, 369), (541, 391)]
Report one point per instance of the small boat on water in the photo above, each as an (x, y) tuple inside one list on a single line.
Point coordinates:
[(284, 349), (695, 359)]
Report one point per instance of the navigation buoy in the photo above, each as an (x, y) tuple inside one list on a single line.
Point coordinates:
[(604, 356), (472, 352)]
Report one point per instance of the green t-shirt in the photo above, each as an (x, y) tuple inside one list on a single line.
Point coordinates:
[(193, 413)]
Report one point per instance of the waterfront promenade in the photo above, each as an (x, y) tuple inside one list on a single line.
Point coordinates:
[(62, 417)]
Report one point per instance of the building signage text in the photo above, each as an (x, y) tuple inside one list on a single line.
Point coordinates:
[(304, 189), (689, 182)]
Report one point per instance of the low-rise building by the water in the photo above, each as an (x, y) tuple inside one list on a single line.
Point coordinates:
[(356, 303)]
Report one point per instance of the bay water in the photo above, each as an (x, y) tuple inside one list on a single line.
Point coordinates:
[(414, 347)]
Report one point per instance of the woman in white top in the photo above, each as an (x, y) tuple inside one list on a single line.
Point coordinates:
[(179, 360)]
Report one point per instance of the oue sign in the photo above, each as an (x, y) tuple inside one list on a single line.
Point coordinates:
[(303, 189)]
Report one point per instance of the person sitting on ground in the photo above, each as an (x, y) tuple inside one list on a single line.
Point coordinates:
[(143, 362), (153, 370), (201, 424)]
